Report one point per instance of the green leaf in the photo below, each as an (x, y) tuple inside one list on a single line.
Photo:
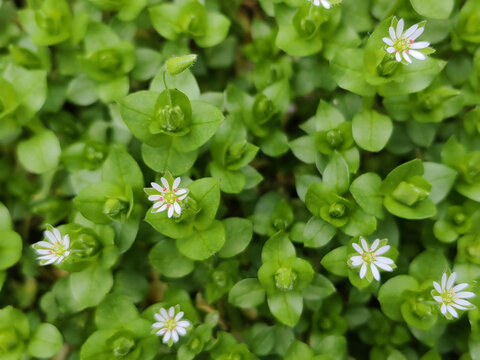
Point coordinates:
[(45, 342), (336, 174), (90, 286), (401, 173), (304, 149), (231, 182), (115, 311), (390, 295), (238, 234), (206, 192), (166, 158), (298, 350), (81, 90), (216, 30), (247, 293), (286, 306), (366, 192), (166, 258), (275, 144), (336, 261), (428, 265), (442, 179), (184, 82), (422, 210), (10, 248), (203, 243), (40, 153), (164, 18), (318, 233), (277, 248), (433, 9), (371, 130), (360, 223)]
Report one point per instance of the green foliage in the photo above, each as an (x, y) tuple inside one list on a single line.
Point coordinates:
[(209, 179)]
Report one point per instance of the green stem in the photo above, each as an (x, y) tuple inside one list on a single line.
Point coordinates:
[(170, 102)]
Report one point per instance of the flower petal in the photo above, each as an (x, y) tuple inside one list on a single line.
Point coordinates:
[(364, 244), (356, 260), (420, 45), (164, 313), (176, 182), (174, 336), (181, 331), (162, 208), (463, 302), (398, 57), (444, 281), (385, 260), (179, 316), (383, 266), (44, 244), (325, 4), (183, 323), (167, 336), (165, 184), (156, 187), (443, 309), (363, 271), (390, 50), (357, 248), (154, 197), (382, 250), (438, 299), (452, 311), (51, 261), (375, 272), (375, 244), (417, 33), (460, 307), (57, 234), (410, 30), (451, 280), (437, 287), (460, 287), (66, 241), (400, 25), (43, 251), (158, 325), (158, 204), (181, 191), (177, 208), (465, 295), (417, 55), (406, 57), (50, 236), (180, 198), (170, 211), (171, 312), (160, 317), (388, 41)]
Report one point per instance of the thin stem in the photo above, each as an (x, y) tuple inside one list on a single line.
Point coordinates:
[(170, 102)]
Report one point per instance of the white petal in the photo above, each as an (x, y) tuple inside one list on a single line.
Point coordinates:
[(170, 211), (460, 307), (316, 2), (382, 250), (162, 208), (181, 331), (398, 57), (57, 234), (162, 331), (66, 241), (451, 280), (165, 184), (388, 41), (356, 260), (438, 299), (400, 28), (437, 287), (390, 50), (463, 302), (443, 309), (181, 191), (160, 317), (183, 323), (419, 45), (45, 244), (363, 271), (180, 198), (364, 244), (177, 208), (325, 4), (158, 204), (171, 312), (164, 313), (358, 248), (460, 287), (156, 187), (417, 33), (154, 197), (50, 236), (179, 316), (385, 260), (375, 244), (174, 336), (383, 266), (410, 30), (444, 281), (158, 325), (465, 295), (51, 261), (391, 31), (375, 272), (167, 336), (417, 55), (406, 57), (452, 311), (43, 251), (176, 182)]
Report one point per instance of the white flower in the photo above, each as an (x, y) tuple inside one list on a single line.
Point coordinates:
[(369, 258), (403, 43), (169, 325), (168, 199), (449, 296), (325, 3), (54, 250)]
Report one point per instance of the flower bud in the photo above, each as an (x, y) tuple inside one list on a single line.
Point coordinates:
[(24, 57), (334, 138), (8, 339), (409, 194), (115, 208), (285, 278), (178, 64), (49, 21), (220, 278), (336, 210), (263, 108), (108, 59), (470, 167), (236, 150), (121, 344)]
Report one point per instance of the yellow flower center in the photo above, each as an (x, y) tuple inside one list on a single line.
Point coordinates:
[(369, 257), (402, 44), (170, 324)]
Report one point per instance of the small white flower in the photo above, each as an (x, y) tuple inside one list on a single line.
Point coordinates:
[(369, 258), (403, 43), (450, 296), (325, 3), (54, 250), (168, 199), (170, 325)]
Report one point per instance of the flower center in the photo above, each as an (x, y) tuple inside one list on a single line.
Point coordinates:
[(402, 44), (58, 249), (285, 278), (169, 197), (369, 256), (170, 324), (448, 296)]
